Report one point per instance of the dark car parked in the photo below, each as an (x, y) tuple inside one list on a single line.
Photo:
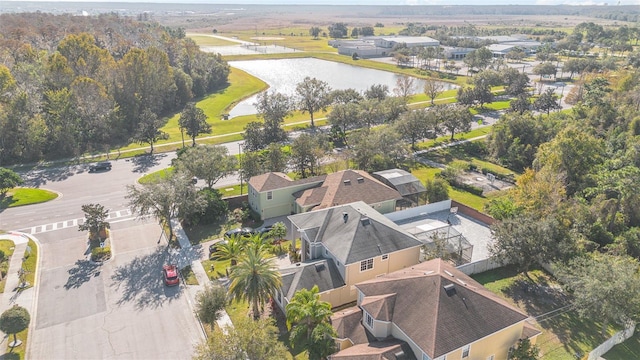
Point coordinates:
[(102, 165), (244, 232), (214, 247)]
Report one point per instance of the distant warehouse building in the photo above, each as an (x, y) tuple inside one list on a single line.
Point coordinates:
[(379, 46)]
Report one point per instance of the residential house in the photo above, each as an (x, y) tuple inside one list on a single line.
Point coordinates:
[(342, 246), (275, 194), (434, 310)]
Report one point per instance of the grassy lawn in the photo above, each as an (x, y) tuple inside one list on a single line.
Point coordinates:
[(31, 256), (6, 246), (206, 40), (564, 333), (26, 196), (189, 276), (630, 349), (156, 176)]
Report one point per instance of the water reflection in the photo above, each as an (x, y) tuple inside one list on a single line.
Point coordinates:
[(283, 75)]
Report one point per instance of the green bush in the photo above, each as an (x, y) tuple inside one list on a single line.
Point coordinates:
[(101, 253), (3, 256), (4, 269)]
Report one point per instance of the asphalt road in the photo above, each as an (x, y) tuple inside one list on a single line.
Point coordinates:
[(117, 310)]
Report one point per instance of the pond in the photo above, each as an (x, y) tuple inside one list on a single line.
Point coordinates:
[(283, 75)]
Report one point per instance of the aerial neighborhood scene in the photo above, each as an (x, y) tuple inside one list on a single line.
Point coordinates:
[(359, 179)]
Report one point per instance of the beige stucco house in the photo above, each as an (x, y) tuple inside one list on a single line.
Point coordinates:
[(430, 311), (275, 194), (342, 246)]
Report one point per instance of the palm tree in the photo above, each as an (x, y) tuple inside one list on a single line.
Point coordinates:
[(308, 320), (231, 249), (254, 279)]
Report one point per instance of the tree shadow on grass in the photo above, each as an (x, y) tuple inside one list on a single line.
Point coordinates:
[(140, 281), (81, 273), (143, 163)]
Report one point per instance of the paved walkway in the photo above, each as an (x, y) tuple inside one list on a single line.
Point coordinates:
[(188, 256), (12, 294)]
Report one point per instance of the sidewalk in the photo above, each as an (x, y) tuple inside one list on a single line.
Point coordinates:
[(11, 296), (188, 256)]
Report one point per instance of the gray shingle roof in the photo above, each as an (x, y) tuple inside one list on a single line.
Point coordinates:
[(363, 235), (404, 182), (322, 272)]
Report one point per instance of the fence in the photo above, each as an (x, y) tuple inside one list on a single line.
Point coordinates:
[(473, 213), (616, 339), (479, 266)]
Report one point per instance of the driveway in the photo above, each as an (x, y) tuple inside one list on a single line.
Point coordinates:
[(117, 310)]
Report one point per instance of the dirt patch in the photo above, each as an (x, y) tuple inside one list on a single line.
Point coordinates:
[(484, 182)]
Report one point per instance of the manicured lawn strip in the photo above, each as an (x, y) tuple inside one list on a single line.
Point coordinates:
[(156, 176), (7, 247), (18, 353), (461, 153), (630, 349), (26, 196), (447, 138), (564, 334), (30, 262)]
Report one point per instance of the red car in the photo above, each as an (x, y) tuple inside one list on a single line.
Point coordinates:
[(170, 274)]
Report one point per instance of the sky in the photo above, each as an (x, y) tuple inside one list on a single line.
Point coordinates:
[(373, 2)]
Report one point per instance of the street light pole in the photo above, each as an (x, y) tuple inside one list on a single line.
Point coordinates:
[(240, 163)]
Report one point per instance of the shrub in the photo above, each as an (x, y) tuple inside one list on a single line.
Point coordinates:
[(101, 253), (4, 269), (2, 256), (215, 208)]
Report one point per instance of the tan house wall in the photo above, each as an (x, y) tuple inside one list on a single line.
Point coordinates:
[(281, 203), (396, 261)]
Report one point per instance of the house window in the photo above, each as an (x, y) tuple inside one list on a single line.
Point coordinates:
[(366, 265), (465, 351), (269, 195), (490, 357), (369, 320), (385, 256)]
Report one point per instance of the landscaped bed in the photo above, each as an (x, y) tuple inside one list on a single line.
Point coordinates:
[(564, 334)]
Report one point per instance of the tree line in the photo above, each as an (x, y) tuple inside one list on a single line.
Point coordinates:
[(70, 85)]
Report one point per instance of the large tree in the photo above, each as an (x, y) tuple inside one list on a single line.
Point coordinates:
[(209, 303), (207, 162), (95, 219), (415, 125), (605, 288), (306, 315), (14, 320), (525, 241), (172, 197), (246, 340), (255, 279), (8, 180), (148, 131), (306, 153), (404, 87), (193, 121), (454, 118), (313, 96), (432, 88), (547, 101)]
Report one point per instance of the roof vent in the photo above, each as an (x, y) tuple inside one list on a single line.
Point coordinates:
[(360, 180), (319, 267), (448, 273), (347, 182), (399, 355), (365, 221), (345, 216), (450, 289)]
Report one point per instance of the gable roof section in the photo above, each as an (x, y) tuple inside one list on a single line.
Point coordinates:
[(277, 180), (440, 323), (345, 187), (380, 307), (348, 325), (363, 235), (323, 273)]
